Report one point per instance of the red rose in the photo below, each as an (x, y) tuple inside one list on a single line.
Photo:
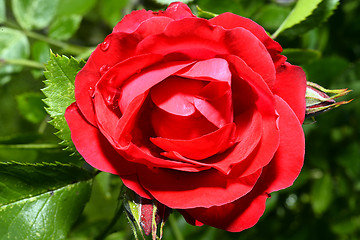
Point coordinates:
[(202, 115)]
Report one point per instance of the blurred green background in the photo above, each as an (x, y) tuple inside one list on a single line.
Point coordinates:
[(324, 201)]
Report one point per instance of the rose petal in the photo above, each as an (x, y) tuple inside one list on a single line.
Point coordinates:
[(172, 126), (213, 69), (175, 95), (200, 40), (93, 146), (230, 21), (214, 90), (288, 160), (147, 79), (254, 151), (177, 11), (131, 22), (233, 217), (202, 147), (280, 173), (131, 146), (218, 111), (265, 98), (248, 132), (119, 47), (291, 86), (132, 182), (177, 189), (154, 25), (110, 83)]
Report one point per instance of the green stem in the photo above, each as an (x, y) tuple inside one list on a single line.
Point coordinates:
[(22, 62), (174, 227), (70, 48), (73, 49), (30, 146)]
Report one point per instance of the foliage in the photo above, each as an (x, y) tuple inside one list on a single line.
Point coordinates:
[(36, 179)]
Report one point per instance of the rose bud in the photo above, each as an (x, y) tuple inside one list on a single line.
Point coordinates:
[(145, 214), (317, 100), (203, 116)]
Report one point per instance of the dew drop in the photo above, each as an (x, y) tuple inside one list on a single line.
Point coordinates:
[(109, 100), (105, 45), (91, 91), (104, 69)]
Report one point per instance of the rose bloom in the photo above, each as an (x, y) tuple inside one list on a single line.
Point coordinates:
[(203, 116)]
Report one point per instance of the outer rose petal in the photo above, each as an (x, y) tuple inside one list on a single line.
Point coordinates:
[(93, 146), (181, 190), (280, 173), (291, 86), (289, 158), (230, 21), (200, 40), (177, 11), (234, 217), (119, 47), (131, 21)]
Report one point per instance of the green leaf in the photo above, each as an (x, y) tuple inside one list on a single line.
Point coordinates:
[(63, 27), (307, 14), (40, 51), (271, 16), (60, 74), (13, 45), (301, 56), (110, 10), (31, 106), (34, 14), (41, 201), (321, 194), (2, 11), (75, 7)]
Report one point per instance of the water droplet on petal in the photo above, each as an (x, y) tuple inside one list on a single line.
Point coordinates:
[(105, 45), (104, 69), (109, 100), (91, 91)]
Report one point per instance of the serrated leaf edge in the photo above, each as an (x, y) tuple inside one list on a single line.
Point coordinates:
[(331, 11), (68, 146)]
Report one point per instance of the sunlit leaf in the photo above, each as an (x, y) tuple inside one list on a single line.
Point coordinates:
[(64, 27), (307, 14), (13, 45), (41, 201), (34, 14)]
